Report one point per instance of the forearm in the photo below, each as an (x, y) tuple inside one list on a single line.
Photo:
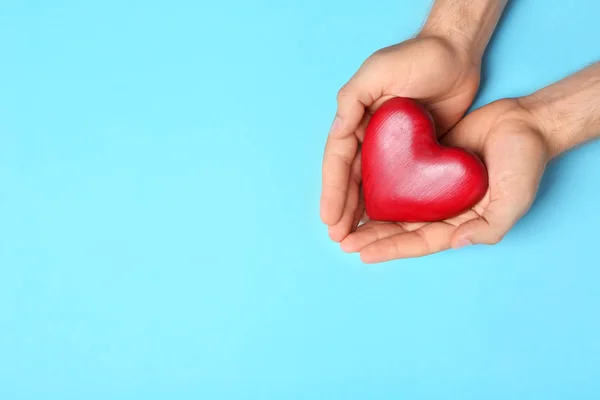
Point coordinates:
[(466, 23), (568, 112)]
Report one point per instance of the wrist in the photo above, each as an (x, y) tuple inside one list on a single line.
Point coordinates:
[(464, 53), (544, 118), (466, 24), (567, 112)]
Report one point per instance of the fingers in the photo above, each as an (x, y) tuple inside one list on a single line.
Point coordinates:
[(342, 144), (369, 233), (349, 218), (385, 241), (360, 92), (428, 239), (337, 162)]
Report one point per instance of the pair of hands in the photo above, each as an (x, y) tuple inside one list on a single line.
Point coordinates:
[(445, 79)]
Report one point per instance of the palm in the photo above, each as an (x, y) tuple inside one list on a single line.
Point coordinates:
[(515, 156)]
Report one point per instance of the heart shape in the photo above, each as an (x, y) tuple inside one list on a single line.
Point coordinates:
[(408, 176)]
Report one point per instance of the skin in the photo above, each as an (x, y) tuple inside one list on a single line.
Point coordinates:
[(506, 136), (440, 67), (515, 137)]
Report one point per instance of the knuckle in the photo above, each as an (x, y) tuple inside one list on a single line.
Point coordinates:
[(343, 92)]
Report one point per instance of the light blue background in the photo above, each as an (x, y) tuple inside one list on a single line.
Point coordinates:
[(159, 231)]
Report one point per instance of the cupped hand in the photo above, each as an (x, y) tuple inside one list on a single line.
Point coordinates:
[(431, 69), (515, 151)]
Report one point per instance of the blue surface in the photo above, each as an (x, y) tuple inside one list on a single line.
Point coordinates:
[(153, 245)]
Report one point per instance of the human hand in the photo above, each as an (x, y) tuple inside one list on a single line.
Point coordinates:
[(440, 68), (427, 68), (509, 138), (515, 138)]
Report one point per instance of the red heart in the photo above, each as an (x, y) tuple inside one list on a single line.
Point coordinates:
[(408, 176)]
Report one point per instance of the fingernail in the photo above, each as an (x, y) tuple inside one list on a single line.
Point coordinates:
[(462, 242), (336, 125)]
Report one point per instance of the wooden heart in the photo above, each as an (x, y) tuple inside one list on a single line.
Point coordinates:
[(408, 176)]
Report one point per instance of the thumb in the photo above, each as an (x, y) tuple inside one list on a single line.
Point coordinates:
[(492, 225), (516, 158)]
